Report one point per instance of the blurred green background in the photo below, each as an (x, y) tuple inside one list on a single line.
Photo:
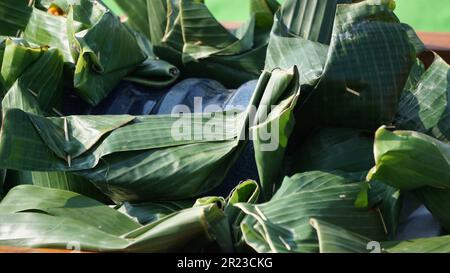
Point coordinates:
[(423, 15)]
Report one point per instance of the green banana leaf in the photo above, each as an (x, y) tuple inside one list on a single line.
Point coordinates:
[(282, 224), (425, 104), (221, 229), (98, 70), (153, 72), (36, 25), (2, 52), (138, 15), (335, 239), (61, 203), (246, 192), (410, 160), (65, 220), (389, 201), (18, 55), (2, 181), (367, 66), (313, 180), (310, 19), (333, 73), (14, 16), (55, 180), (83, 35), (300, 36), (99, 148), (49, 30), (273, 125), (436, 201), (146, 213), (349, 150), (177, 30), (264, 11), (285, 51), (36, 90)]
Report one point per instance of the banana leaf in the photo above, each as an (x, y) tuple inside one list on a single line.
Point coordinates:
[(2, 52), (14, 16), (282, 224), (221, 229), (18, 55), (414, 39), (437, 202), (310, 19), (389, 201), (153, 72), (98, 70), (80, 34), (285, 52), (36, 25), (146, 213), (2, 181), (349, 150), (313, 180), (367, 66), (263, 11), (273, 125), (37, 90), (232, 57), (55, 180), (99, 148), (335, 239), (60, 219), (425, 103), (410, 160), (138, 16), (300, 36), (49, 30), (246, 192)]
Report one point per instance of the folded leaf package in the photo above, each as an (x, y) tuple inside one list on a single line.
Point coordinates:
[(99, 150), (367, 65), (297, 38), (177, 30), (425, 103), (78, 35), (30, 87), (14, 16), (97, 71), (55, 218), (415, 162), (282, 224), (335, 239), (400, 155)]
